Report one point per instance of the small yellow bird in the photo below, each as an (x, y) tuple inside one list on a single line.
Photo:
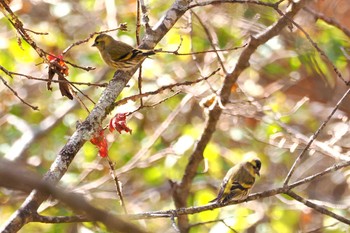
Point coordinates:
[(118, 54), (238, 181)]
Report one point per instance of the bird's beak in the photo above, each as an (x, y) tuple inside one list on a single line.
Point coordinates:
[(257, 172), (94, 44)]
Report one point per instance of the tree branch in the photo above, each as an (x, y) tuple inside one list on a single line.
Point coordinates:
[(93, 121), (12, 174), (314, 136), (181, 190), (318, 208)]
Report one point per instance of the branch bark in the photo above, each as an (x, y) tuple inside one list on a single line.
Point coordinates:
[(181, 191), (93, 121), (13, 175)]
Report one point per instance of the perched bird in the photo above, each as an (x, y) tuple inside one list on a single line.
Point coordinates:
[(119, 55), (238, 181)]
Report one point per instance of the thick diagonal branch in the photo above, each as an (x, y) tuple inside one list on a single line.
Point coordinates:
[(93, 121), (182, 190)]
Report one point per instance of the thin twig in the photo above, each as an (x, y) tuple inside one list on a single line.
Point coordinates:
[(214, 2), (86, 96), (163, 88), (314, 44), (330, 21), (318, 208), (139, 82), (59, 219), (88, 127), (138, 24), (173, 224), (16, 94), (213, 221), (181, 190), (313, 137), (211, 40), (122, 27), (175, 52), (37, 33), (11, 74), (255, 196), (155, 136), (117, 183), (14, 176), (153, 105), (318, 175), (18, 25)]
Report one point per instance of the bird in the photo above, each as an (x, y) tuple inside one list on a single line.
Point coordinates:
[(118, 54), (238, 181)]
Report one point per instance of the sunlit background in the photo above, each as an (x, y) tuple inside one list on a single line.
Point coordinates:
[(278, 103)]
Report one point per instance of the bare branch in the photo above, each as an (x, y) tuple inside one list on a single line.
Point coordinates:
[(11, 174), (181, 190), (314, 136), (314, 44), (59, 219), (211, 40), (330, 21), (93, 121), (18, 25), (117, 184), (16, 94), (12, 74), (122, 27), (318, 208), (163, 88)]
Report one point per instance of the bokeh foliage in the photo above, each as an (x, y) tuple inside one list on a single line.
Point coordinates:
[(287, 86)]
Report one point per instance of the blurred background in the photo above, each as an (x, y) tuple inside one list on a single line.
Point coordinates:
[(277, 104)]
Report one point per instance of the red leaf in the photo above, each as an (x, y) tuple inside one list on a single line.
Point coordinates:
[(103, 148), (118, 122), (51, 57), (100, 142), (63, 68)]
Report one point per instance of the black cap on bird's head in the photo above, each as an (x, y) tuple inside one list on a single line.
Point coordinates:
[(256, 164)]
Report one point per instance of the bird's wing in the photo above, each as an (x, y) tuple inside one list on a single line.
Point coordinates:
[(129, 55), (226, 184), (134, 53)]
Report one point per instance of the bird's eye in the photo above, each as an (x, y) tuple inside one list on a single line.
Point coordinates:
[(258, 164)]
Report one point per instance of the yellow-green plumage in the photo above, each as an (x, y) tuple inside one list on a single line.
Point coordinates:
[(118, 54), (238, 181)]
